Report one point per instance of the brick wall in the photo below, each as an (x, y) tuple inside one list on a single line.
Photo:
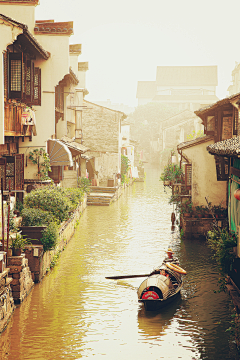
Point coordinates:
[(100, 128)]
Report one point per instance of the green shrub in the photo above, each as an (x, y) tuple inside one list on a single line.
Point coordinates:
[(36, 217), (52, 199), (75, 195), (124, 168), (84, 184), (50, 236), (171, 172), (222, 241)]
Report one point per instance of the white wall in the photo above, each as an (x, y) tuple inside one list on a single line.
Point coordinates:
[(9, 34), (20, 12), (204, 177), (53, 70)]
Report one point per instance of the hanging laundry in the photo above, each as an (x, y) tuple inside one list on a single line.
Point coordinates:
[(29, 119)]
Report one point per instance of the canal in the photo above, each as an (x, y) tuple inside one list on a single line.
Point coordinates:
[(76, 313)]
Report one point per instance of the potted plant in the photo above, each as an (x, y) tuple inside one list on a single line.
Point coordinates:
[(198, 211), (19, 242), (219, 211), (186, 209), (171, 173)]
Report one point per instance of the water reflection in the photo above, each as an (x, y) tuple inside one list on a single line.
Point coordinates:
[(76, 313)]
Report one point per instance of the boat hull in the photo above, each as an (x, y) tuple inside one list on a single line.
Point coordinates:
[(154, 305), (158, 290)]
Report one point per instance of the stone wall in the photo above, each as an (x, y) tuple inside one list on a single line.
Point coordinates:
[(21, 275), (198, 227), (106, 165), (34, 254), (101, 127), (6, 300), (65, 235), (69, 179)]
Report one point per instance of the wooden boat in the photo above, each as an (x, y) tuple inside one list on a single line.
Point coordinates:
[(158, 289)]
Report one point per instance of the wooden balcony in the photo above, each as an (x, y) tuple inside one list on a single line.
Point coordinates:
[(12, 119)]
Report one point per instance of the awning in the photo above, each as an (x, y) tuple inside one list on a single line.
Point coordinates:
[(59, 153), (75, 147)]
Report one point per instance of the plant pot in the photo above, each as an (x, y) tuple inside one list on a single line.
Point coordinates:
[(9, 252), (187, 215), (34, 233), (16, 252)]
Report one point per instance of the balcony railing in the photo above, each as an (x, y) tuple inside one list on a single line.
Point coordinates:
[(13, 119)]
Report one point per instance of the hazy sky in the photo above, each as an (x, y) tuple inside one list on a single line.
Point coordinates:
[(124, 41)]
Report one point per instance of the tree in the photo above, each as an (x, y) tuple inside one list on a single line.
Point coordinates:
[(146, 119)]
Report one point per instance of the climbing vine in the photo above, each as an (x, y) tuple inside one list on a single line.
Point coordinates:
[(124, 167), (40, 158)]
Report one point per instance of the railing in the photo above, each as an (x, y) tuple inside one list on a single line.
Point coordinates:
[(12, 119)]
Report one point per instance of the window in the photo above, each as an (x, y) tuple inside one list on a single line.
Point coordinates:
[(15, 75), (235, 121), (12, 171), (222, 166), (24, 80), (37, 87), (188, 176)]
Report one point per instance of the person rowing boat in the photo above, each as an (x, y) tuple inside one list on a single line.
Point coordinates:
[(170, 257)]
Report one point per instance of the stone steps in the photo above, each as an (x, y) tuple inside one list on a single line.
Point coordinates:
[(101, 189), (100, 199), (102, 196)]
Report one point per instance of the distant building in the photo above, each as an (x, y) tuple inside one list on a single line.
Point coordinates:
[(190, 87), (234, 88), (118, 107)]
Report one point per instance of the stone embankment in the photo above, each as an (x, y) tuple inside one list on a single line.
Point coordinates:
[(17, 280), (21, 276), (6, 300)]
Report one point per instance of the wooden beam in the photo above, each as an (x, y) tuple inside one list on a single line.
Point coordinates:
[(234, 171)]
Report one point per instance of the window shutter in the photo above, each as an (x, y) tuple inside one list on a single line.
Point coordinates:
[(5, 64), (19, 171), (29, 80), (235, 121), (222, 167), (37, 86), (188, 176), (3, 171), (15, 75), (24, 70)]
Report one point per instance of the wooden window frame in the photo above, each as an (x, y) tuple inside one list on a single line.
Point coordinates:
[(17, 94), (37, 86), (188, 170), (235, 121), (33, 82)]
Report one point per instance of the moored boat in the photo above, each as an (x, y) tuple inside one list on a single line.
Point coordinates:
[(162, 286)]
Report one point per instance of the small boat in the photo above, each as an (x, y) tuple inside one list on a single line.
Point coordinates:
[(162, 286)]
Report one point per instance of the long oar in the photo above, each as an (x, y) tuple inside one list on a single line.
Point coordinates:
[(126, 276)]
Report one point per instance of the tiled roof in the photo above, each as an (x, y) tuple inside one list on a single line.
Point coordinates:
[(197, 141), (82, 66), (179, 118), (187, 76), (229, 147), (198, 98), (75, 49), (23, 2), (27, 38), (74, 145), (53, 28), (227, 100), (146, 89)]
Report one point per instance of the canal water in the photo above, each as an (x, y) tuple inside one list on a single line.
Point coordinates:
[(75, 313)]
